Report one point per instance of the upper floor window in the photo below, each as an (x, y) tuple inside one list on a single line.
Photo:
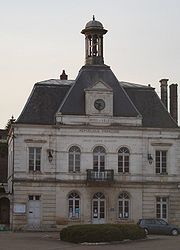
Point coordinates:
[(74, 159), (123, 160), (123, 206), (162, 207), (34, 159), (99, 154), (161, 162), (74, 205)]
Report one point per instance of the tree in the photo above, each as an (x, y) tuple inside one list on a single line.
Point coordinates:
[(9, 123)]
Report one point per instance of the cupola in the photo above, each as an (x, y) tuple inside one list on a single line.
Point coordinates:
[(94, 32)]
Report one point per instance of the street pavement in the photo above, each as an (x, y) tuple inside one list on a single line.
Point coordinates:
[(51, 241)]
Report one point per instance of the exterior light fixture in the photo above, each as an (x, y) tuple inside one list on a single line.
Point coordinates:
[(50, 156), (150, 159)]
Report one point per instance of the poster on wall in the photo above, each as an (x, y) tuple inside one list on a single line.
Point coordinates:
[(19, 208)]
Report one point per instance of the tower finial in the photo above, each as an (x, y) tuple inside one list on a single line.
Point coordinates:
[(93, 18)]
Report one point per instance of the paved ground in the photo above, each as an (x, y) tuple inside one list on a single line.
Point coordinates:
[(50, 241)]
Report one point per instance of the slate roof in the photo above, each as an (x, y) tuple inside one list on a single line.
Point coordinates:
[(44, 102), (150, 106), (67, 96), (87, 77)]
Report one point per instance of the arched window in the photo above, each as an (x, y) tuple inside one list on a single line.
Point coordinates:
[(98, 195), (123, 206), (98, 208), (99, 154), (123, 160), (74, 206), (74, 159)]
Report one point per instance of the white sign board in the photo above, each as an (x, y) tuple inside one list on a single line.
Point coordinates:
[(19, 208)]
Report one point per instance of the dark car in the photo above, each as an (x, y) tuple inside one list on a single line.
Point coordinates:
[(158, 226)]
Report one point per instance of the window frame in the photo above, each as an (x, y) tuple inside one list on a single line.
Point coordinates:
[(35, 159), (98, 206), (159, 161), (74, 164), (123, 158), (124, 199), (74, 203), (99, 159), (33, 197), (162, 203)]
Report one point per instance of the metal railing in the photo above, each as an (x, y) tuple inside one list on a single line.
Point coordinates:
[(104, 176)]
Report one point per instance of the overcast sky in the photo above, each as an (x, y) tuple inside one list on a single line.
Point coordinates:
[(40, 38)]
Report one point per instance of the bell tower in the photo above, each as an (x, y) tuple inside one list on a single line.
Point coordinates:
[(94, 32)]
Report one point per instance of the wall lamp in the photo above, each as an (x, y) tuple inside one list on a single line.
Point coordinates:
[(50, 155), (150, 159)]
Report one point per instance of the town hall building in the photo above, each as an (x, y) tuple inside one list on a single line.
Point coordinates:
[(94, 149)]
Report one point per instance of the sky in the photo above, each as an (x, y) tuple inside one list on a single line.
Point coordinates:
[(40, 38)]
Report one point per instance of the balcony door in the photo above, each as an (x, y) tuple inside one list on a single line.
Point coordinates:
[(98, 208), (99, 154)]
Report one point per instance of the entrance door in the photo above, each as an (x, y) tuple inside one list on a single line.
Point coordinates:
[(34, 211), (98, 208), (4, 210)]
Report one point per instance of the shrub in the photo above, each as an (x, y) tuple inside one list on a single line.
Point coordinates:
[(101, 233)]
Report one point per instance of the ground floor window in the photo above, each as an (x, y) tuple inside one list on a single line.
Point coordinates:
[(74, 206), (123, 206), (162, 207), (98, 207)]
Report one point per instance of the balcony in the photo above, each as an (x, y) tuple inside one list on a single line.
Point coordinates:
[(106, 176)]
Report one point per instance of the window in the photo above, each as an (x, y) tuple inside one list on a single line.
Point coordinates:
[(161, 162), (123, 160), (98, 206), (34, 197), (99, 154), (161, 207), (123, 206), (74, 206), (34, 159), (74, 159)]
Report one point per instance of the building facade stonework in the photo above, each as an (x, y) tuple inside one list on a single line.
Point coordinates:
[(93, 150)]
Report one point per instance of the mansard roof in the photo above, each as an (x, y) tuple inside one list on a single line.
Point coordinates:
[(44, 102), (68, 97), (87, 77), (148, 103)]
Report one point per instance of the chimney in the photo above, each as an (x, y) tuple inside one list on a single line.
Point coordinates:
[(173, 101), (164, 91), (63, 76)]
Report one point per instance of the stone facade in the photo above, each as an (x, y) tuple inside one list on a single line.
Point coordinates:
[(93, 150), (54, 182)]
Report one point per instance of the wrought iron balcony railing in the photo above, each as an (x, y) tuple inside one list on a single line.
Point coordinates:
[(100, 176)]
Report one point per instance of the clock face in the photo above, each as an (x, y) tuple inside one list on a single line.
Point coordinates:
[(99, 104)]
